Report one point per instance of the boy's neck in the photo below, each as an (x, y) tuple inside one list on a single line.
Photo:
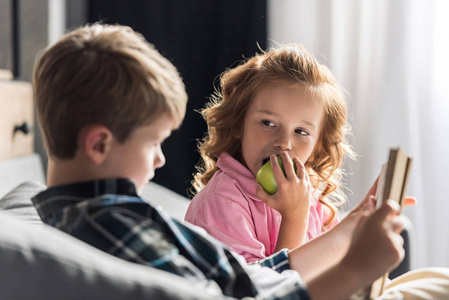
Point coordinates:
[(68, 171)]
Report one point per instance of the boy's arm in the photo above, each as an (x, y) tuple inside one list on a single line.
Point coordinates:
[(326, 250), (375, 248)]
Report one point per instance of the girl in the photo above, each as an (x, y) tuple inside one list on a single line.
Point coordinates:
[(280, 102)]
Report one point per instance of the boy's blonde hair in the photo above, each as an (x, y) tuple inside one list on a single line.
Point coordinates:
[(287, 64), (106, 75)]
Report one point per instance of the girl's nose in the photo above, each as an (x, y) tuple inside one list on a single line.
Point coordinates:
[(282, 142)]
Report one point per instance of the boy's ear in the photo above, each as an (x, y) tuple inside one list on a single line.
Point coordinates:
[(96, 142)]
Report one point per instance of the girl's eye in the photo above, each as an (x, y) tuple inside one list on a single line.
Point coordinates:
[(301, 132), (267, 123)]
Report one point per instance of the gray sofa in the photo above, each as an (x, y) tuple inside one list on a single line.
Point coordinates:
[(40, 262)]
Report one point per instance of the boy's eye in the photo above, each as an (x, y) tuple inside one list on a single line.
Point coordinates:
[(301, 132), (267, 123)]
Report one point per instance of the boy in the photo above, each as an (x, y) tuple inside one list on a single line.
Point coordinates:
[(106, 100)]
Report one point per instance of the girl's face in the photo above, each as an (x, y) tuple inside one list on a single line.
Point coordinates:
[(280, 118)]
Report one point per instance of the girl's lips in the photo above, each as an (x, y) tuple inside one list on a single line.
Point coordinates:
[(265, 161)]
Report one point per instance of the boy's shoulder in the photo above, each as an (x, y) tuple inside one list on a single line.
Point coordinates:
[(89, 198)]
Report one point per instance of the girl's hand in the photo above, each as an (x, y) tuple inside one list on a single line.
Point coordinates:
[(292, 200)]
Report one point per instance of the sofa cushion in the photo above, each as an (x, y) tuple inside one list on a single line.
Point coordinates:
[(18, 201), (172, 202), (15, 171), (40, 262)]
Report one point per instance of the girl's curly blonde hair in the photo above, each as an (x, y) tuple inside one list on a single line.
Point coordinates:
[(290, 64)]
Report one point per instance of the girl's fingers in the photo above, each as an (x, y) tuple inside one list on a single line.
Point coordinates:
[(277, 171), (300, 169), (288, 165)]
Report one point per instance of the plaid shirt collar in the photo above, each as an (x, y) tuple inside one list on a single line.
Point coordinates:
[(49, 200)]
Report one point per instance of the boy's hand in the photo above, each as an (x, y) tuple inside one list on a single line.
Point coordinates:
[(345, 229), (366, 207), (376, 246), (408, 201), (292, 200)]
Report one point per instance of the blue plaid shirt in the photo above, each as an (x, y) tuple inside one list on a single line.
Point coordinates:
[(109, 215)]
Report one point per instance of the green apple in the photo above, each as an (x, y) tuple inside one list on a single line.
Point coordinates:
[(265, 176)]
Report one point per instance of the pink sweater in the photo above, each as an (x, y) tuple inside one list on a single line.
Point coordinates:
[(227, 208)]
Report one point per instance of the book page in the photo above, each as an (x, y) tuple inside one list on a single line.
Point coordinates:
[(381, 185)]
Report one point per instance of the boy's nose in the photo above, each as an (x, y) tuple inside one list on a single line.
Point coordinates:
[(159, 160)]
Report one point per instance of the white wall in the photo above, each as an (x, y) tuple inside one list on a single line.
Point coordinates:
[(391, 56), (56, 19)]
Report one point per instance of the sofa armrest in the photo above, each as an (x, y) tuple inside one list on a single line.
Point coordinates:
[(18, 170), (175, 204), (40, 262)]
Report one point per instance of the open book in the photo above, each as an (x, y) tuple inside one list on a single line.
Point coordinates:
[(392, 185)]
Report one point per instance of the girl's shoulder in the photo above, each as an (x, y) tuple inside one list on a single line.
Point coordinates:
[(220, 186), (223, 189)]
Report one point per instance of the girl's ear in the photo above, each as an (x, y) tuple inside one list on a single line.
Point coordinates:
[(96, 142), (238, 133)]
